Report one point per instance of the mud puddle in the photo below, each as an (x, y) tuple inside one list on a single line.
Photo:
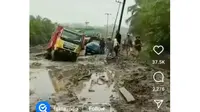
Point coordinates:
[(97, 92), (41, 84)]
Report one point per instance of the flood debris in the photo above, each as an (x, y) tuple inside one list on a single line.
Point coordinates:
[(90, 81), (33, 101), (35, 64), (104, 77), (85, 77), (127, 95), (64, 98)]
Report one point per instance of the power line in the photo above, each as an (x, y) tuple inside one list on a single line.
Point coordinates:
[(107, 14), (122, 11), (119, 2)]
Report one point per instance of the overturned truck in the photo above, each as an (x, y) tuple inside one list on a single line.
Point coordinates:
[(65, 44)]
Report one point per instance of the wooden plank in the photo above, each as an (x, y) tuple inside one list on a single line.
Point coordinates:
[(127, 95)]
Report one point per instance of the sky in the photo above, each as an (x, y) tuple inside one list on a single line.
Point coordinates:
[(79, 11)]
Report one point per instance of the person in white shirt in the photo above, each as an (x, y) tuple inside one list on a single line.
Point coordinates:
[(109, 45), (116, 47)]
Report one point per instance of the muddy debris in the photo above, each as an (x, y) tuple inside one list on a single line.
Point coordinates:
[(38, 48), (73, 86), (65, 98), (86, 58), (35, 64), (33, 101), (85, 77)]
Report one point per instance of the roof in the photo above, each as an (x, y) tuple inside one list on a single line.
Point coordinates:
[(74, 32)]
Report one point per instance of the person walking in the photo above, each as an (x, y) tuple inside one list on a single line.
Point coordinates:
[(109, 45), (138, 45), (102, 46), (116, 47), (118, 37), (129, 44)]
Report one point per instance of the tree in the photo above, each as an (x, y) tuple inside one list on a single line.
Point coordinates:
[(40, 30), (151, 20)]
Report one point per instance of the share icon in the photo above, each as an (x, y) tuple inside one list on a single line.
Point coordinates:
[(158, 102)]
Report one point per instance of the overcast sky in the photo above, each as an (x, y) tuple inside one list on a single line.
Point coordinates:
[(79, 11)]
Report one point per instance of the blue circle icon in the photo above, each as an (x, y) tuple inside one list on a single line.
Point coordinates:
[(42, 106)]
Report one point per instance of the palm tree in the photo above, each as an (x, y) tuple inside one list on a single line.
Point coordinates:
[(133, 9)]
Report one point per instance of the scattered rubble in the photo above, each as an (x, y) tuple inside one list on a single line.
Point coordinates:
[(91, 80), (35, 64)]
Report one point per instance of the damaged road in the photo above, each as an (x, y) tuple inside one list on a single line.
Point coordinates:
[(91, 82)]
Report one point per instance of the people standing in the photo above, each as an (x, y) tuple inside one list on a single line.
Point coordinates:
[(116, 47), (138, 45), (129, 44), (102, 46), (109, 45), (118, 37)]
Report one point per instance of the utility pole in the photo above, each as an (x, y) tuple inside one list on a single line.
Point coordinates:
[(120, 21), (107, 14), (119, 2), (86, 24)]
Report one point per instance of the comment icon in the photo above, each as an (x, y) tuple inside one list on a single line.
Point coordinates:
[(158, 77)]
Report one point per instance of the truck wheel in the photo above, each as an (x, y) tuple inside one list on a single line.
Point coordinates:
[(53, 55), (48, 55), (74, 58)]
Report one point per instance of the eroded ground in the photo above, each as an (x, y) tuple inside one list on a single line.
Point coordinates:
[(92, 81)]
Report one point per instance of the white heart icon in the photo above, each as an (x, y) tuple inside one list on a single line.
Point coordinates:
[(158, 49)]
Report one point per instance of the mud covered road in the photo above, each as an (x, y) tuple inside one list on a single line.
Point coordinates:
[(92, 85)]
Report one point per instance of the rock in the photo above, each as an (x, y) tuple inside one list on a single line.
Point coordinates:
[(83, 99), (91, 90), (104, 77)]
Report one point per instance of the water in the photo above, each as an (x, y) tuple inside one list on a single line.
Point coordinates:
[(100, 94), (101, 91), (41, 83)]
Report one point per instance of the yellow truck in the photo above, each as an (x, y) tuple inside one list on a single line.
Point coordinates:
[(65, 44)]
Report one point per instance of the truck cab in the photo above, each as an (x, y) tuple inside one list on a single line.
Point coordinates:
[(65, 44)]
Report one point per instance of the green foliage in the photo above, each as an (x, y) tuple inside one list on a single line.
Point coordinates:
[(151, 20), (40, 30)]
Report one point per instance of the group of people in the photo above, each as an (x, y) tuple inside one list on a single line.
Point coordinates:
[(113, 45), (129, 45), (110, 45)]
